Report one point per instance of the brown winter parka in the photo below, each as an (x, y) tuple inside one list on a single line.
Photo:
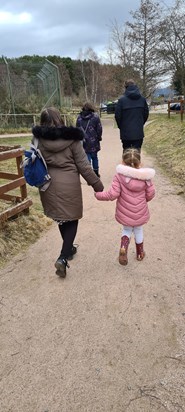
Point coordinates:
[(66, 160)]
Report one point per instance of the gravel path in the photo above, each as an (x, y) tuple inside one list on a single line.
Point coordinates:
[(107, 338)]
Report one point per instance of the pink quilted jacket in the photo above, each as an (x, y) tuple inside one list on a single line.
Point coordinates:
[(132, 188)]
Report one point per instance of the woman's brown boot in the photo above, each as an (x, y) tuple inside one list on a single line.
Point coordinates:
[(140, 254), (123, 260)]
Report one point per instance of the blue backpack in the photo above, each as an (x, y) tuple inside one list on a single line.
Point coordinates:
[(35, 168)]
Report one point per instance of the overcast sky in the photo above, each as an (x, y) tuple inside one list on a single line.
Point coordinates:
[(60, 27)]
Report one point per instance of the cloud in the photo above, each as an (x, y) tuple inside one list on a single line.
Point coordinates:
[(11, 18), (59, 27)]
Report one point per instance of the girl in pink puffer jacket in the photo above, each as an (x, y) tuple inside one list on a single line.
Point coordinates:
[(133, 189)]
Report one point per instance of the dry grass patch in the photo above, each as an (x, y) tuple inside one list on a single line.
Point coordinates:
[(165, 140), (17, 234)]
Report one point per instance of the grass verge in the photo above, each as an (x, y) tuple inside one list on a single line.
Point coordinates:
[(17, 234), (165, 140)]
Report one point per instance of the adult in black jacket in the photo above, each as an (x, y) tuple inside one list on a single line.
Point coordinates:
[(131, 114)]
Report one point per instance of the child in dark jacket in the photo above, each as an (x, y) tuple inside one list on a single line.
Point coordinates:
[(90, 122)]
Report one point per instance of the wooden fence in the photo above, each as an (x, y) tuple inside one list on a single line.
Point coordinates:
[(181, 111), (16, 180)]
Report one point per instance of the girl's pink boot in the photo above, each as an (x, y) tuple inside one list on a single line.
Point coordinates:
[(140, 254), (123, 259)]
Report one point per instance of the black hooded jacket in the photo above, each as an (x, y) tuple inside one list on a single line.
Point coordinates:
[(131, 114)]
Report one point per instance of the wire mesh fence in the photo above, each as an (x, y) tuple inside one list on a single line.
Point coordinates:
[(25, 89), (24, 121)]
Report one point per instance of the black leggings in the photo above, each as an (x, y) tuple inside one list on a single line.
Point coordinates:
[(68, 232)]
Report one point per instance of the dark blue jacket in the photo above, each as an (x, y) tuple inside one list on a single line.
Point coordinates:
[(131, 114), (90, 123)]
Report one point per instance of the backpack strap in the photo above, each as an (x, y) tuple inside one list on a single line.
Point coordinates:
[(34, 146), (87, 125)]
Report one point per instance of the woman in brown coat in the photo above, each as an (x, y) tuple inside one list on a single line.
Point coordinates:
[(66, 160)]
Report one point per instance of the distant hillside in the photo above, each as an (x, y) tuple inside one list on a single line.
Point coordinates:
[(165, 91)]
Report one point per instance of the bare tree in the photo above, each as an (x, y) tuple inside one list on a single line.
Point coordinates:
[(90, 73), (94, 73), (135, 44), (144, 35), (81, 58), (124, 47), (172, 43)]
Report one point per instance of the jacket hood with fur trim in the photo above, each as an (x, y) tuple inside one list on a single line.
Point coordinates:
[(55, 133), (144, 173)]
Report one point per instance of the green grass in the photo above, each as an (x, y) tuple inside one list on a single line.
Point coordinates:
[(9, 130), (11, 141), (165, 140)]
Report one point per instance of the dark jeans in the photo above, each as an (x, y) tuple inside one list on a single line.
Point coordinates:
[(93, 158), (68, 232), (128, 144)]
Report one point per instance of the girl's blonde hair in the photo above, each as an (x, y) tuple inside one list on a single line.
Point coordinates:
[(131, 157)]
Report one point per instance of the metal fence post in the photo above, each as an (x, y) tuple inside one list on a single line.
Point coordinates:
[(10, 90)]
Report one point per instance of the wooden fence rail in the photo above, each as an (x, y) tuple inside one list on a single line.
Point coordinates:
[(182, 108), (16, 180)]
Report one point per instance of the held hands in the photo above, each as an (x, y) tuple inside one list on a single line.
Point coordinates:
[(98, 195)]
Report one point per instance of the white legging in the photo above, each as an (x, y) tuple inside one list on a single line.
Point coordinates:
[(137, 230)]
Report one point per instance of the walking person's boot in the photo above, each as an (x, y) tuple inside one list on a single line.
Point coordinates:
[(140, 254), (123, 259), (73, 252), (61, 265)]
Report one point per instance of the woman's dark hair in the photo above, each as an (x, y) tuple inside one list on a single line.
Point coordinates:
[(88, 107), (50, 116)]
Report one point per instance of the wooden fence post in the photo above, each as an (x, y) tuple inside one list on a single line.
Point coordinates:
[(16, 180)]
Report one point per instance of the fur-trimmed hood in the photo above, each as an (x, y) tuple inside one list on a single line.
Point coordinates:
[(144, 173), (55, 133)]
